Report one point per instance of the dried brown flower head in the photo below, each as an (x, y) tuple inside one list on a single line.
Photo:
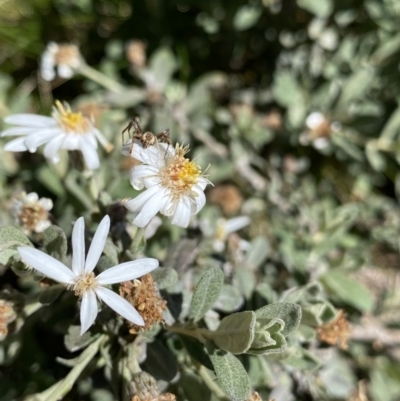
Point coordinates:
[(7, 315), (145, 388), (335, 332), (161, 397), (273, 120), (136, 53), (361, 393), (32, 213), (143, 295), (256, 397), (228, 197)]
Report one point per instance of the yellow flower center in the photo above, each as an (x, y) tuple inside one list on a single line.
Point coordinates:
[(74, 123), (84, 282), (179, 173)]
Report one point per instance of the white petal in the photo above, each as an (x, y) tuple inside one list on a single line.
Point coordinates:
[(16, 145), (47, 72), (182, 214), (202, 183), (91, 157), (314, 120), (31, 120), (139, 173), (88, 310), (120, 305), (32, 197), (46, 203), (39, 138), (78, 246), (42, 225), (46, 265), (127, 271), (137, 203), (97, 245), (14, 131), (237, 223), (71, 141), (51, 149), (200, 199), (152, 227), (151, 208), (65, 71)]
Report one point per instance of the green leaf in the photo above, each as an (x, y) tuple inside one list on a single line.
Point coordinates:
[(50, 294), (348, 290), (162, 64), (235, 332), (375, 158), (288, 312), (196, 350), (231, 374), (206, 293), (164, 277), (268, 338), (55, 243), (11, 238), (229, 299), (74, 341), (246, 17), (258, 252), (320, 8)]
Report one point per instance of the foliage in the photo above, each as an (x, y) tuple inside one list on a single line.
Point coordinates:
[(294, 106)]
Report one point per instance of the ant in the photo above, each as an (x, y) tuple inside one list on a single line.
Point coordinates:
[(146, 138)]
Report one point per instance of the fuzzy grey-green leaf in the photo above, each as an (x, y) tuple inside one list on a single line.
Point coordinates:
[(231, 374), (10, 238), (290, 313), (55, 242), (236, 332), (206, 293)]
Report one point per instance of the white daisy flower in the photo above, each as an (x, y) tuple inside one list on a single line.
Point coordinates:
[(81, 278), (63, 58), (174, 184), (226, 227), (64, 130), (32, 213)]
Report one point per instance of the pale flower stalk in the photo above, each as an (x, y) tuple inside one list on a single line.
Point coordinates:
[(32, 213), (83, 281), (63, 130), (174, 184)]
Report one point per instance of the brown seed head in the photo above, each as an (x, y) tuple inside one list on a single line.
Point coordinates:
[(143, 295), (335, 332), (6, 316), (136, 53), (228, 197)]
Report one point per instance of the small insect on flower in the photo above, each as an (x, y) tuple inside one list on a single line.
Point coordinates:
[(146, 138)]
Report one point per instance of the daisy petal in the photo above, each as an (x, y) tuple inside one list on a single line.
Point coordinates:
[(200, 198), (97, 245), (120, 305), (31, 120), (90, 155), (127, 271), (51, 149), (88, 310), (46, 265), (14, 131), (137, 203), (78, 246), (16, 145), (237, 223), (151, 208), (182, 213), (39, 138)]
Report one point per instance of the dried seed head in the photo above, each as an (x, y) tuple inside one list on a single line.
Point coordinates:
[(335, 332), (145, 388), (32, 213), (7, 315), (228, 197), (136, 53), (143, 295)]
